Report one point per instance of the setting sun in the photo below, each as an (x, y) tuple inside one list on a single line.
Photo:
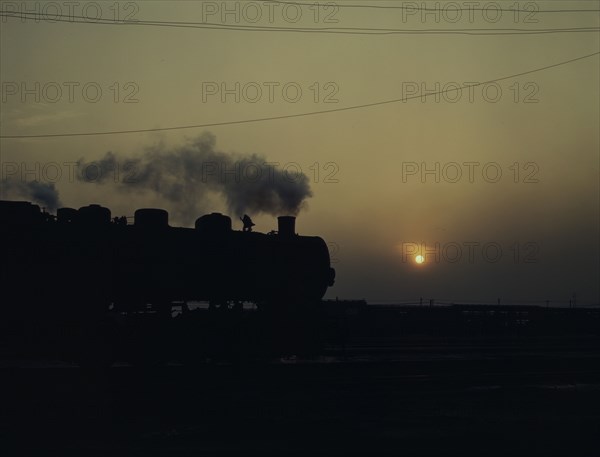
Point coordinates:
[(419, 259)]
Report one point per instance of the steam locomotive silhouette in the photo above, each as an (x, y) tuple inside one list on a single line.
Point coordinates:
[(82, 272)]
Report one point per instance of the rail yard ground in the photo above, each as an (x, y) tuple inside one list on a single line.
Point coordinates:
[(489, 392)]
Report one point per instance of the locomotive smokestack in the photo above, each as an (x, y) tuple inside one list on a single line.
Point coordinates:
[(287, 226)]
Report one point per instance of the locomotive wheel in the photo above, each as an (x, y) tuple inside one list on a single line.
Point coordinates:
[(96, 345), (307, 336), (145, 345), (292, 328)]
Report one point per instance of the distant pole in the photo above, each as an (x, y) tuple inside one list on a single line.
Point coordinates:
[(498, 301), (431, 302), (421, 301)]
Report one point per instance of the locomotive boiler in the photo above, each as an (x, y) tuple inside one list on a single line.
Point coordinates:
[(81, 267)]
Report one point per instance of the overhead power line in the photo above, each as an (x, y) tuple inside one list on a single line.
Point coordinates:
[(330, 30), (311, 113), (424, 8)]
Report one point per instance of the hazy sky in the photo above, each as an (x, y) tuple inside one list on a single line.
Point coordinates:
[(370, 199)]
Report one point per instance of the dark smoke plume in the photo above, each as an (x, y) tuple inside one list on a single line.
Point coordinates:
[(186, 176), (44, 194)]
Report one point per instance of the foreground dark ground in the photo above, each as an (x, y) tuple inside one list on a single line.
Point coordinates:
[(494, 397)]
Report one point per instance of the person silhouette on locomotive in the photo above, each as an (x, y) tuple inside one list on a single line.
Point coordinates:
[(248, 224)]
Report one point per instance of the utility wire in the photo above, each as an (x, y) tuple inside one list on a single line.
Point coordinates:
[(330, 30), (311, 113), (327, 4)]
